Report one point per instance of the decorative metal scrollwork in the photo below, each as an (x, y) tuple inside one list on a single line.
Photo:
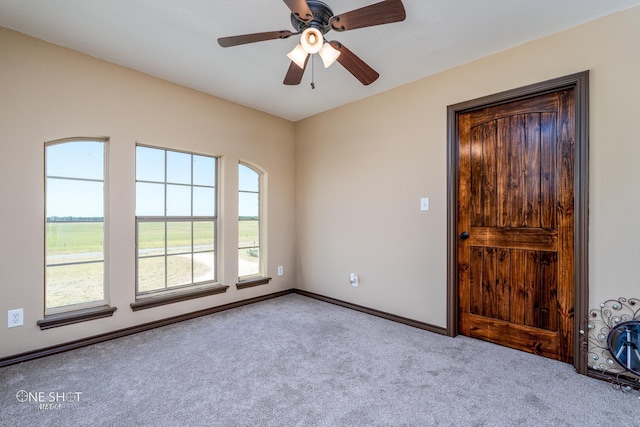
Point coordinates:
[(609, 349)]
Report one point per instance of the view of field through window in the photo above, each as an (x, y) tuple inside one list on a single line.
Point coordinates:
[(248, 222), (181, 253), (74, 232), (176, 219)]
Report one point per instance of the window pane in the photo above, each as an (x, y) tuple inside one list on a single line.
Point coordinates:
[(76, 159), (178, 237), (178, 200), (204, 267), (74, 199), (176, 195), (149, 199), (69, 242), (249, 205), (179, 270), (248, 262), (248, 179), (204, 201), (204, 171), (249, 233), (74, 229), (149, 164), (151, 238), (74, 284), (151, 274), (178, 167), (203, 236)]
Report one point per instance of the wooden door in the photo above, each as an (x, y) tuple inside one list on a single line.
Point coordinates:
[(516, 224)]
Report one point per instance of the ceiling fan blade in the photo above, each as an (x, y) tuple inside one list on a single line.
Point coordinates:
[(355, 65), (252, 38), (294, 74), (300, 8), (384, 12)]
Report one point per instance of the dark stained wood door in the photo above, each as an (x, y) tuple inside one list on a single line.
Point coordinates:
[(515, 202)]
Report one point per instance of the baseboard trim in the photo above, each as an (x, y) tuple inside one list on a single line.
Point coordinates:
[(83, 342), (374, 312)]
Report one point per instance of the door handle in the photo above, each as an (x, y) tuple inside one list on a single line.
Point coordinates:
[(464, 235)]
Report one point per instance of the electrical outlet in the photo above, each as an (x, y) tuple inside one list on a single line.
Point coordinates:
[(353, 278), (15, 318), (280, 270)]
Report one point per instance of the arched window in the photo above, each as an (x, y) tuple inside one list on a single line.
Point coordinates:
[(75, 243), (249, 227)]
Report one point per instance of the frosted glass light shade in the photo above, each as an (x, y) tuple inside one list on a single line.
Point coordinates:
[(328, 54), (311, 40), (298, 56)]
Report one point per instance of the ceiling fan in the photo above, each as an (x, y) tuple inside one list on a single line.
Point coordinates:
[(312, 19)]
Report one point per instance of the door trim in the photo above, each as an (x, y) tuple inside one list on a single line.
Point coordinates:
[(580, 83)]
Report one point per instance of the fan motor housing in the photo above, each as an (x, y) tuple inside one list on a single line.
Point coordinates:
[(322, 14)]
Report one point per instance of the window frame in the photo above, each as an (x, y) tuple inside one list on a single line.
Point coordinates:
[(60, 315), (259, 278), (170, 294)]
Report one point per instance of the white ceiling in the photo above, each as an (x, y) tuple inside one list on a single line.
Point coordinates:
[(177, 40)]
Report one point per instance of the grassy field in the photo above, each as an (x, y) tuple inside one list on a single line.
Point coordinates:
[(68, 238), (73, 242), (87, 237), (74, 284), (178, 235)]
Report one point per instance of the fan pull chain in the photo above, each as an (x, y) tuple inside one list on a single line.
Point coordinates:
[(313, 68)]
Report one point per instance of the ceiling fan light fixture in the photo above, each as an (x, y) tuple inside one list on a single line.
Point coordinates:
[(311, 40), (312, 20), (329, 54), (298, 55)]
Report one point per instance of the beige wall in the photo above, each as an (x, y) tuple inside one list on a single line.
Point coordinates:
[(46, 93), (362, 168), (359, 172)]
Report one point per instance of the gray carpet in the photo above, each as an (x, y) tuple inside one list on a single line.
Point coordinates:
[(295, 361)]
